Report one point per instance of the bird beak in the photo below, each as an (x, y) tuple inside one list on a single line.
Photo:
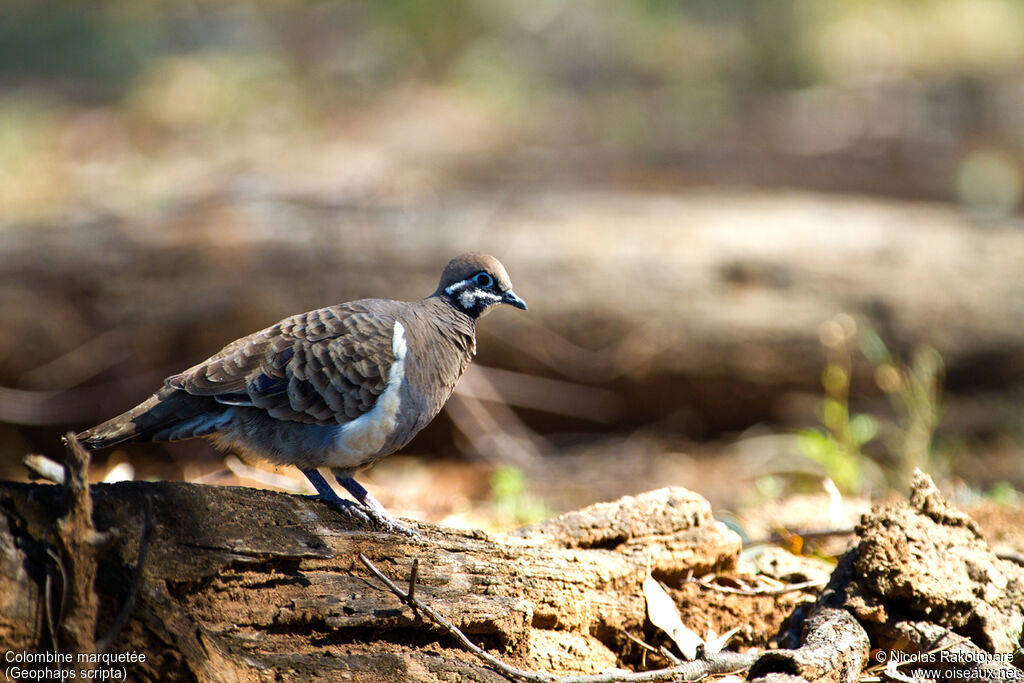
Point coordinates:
[(512, 299)]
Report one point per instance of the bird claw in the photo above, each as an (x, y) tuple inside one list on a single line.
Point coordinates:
[(367, 516), (393, 526)]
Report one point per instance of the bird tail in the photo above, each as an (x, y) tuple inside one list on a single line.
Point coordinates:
[(167, 415)]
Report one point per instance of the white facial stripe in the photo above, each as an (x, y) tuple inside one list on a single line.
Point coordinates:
[(470, 296), (456, 287)]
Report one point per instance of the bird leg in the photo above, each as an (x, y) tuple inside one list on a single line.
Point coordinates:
[(346, 507), (371, 505), (366, 511)]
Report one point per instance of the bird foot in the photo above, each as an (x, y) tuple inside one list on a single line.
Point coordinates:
[(388, 523), (369, 517), (367, 511)]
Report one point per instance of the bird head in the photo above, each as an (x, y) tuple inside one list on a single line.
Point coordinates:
[(475, 283)]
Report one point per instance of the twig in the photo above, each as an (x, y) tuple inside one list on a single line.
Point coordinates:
[(411, 596), (45, 468), (646, 648), (723, 662), (639, 642), (104, 643), (775, 539), (412, 601), (764, 590), (667, 653), (891, 673), (1016, 558), (48, 607), (51, 622)]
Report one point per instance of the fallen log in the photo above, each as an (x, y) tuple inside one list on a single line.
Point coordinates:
[(244, 585), (173, 581)]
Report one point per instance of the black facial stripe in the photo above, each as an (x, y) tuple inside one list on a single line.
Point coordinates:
[(470, 297)]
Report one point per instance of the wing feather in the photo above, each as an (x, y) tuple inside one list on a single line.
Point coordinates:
[(326, 367)]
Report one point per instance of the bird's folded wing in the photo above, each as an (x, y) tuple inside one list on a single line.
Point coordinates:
[(325, 367)]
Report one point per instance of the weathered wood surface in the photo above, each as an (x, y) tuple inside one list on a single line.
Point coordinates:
[(249, 585)]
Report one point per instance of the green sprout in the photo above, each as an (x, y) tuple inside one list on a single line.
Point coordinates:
[(510, 498), (914, 390)]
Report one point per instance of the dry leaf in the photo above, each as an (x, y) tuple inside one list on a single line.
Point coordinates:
[(714, 643), (662, 611)]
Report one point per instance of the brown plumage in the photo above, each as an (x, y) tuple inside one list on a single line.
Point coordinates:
[(336, 387)]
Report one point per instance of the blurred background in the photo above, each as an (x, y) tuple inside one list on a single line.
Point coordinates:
[(768, 247)]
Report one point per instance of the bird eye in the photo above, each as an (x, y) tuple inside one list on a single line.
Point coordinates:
[(483, 280)]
